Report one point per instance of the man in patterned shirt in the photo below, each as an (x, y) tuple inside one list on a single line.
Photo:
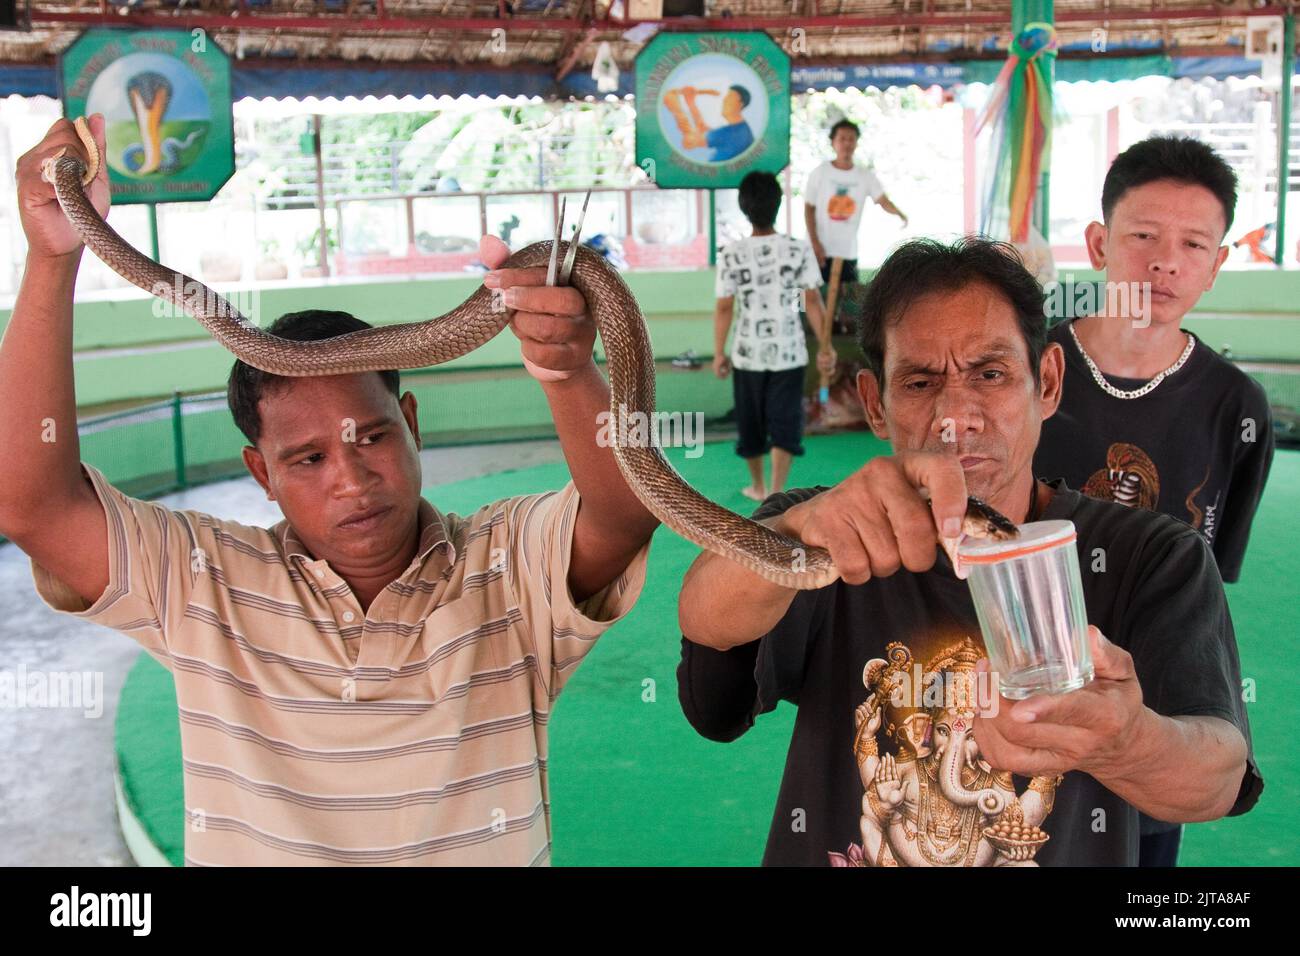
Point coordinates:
[(771, 275)]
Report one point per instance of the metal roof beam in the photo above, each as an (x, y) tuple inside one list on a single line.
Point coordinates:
[(397, 25)]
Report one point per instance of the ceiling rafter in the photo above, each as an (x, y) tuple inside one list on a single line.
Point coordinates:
[(562, 35)]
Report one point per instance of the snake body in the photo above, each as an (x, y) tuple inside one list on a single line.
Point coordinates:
[(631, 369)]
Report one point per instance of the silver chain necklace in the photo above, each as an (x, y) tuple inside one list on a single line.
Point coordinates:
[(1110, 389)]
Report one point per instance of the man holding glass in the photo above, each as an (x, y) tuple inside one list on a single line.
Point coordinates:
[(901, 755)]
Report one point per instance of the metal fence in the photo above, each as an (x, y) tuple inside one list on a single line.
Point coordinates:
[(191, 439), (188, 440), (362, 170)]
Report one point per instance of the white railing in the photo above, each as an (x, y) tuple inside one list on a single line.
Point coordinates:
[(354, 171)]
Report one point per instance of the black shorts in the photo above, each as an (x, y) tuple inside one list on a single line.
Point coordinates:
[(848, 271), (769, 411)]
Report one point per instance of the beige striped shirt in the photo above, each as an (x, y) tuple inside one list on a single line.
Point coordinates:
[(315, 733)]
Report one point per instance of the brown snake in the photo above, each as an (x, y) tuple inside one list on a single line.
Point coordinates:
[(618, 318)]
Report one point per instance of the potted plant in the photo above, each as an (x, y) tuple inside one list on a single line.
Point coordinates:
[(309, 250), (220, 265), (271, 266)]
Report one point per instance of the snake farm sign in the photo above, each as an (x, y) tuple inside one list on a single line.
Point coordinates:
[(165, 96), (711, 107)]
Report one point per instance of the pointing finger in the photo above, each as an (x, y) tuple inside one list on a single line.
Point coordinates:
[(942, 477)]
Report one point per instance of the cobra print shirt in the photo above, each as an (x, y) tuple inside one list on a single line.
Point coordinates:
[(1198, 447), (860, 792)]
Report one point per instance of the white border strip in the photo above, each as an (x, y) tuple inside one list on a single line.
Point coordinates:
[(143, 850)]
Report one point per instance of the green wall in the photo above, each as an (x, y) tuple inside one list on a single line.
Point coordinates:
[(129, 320)]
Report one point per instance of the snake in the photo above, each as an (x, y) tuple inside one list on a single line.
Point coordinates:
[(775, 557)]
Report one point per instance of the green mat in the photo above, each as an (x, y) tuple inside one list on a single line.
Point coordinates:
[(632, 783)]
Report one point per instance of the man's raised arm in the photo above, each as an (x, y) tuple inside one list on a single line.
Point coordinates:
[(46, 506), (557, 336), (872, 523)]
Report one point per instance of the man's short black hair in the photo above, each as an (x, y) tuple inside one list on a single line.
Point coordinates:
[(1170, 157), (922, 266), (744, 95), (846, 124), (247, 385), (760, 198)]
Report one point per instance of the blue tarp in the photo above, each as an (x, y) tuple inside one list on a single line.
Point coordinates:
[(984, 71), (267, 81), (300, 82), (27, 80)]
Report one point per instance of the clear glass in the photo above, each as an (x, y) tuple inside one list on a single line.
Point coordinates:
[(373, 227), (1034, 621)]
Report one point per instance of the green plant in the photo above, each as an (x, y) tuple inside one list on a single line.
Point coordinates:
[(308, 247)]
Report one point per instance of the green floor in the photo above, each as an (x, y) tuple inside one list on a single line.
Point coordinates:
[(632, 784)]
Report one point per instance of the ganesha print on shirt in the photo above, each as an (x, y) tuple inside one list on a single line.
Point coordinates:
[(929, 799)]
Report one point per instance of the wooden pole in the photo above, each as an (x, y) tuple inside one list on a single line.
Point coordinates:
[(322, 248), (1284, 136), (153, 230), (832, 300)]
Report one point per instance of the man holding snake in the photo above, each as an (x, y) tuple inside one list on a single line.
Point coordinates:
[(960, 377), (371, 680)]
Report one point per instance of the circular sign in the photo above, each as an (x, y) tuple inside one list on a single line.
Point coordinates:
[(165, 96), (157, 114), (713, 108)]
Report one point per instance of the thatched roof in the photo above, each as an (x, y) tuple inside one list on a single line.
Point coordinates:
[(562, 35)]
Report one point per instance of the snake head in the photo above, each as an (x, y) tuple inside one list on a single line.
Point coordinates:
[(981, 521), (984, 521), (89, 169), (47, 166)]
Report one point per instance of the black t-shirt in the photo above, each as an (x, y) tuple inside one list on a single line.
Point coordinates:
[(1159, 597), (1181, 449)]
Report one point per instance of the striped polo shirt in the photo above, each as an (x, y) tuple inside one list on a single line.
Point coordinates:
[(315, 733)]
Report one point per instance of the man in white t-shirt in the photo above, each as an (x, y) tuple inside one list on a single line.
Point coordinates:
[(833, 201)]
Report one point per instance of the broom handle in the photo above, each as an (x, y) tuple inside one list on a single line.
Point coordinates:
[(832, 297)]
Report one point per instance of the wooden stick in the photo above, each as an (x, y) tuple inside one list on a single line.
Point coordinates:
[(832, 297)]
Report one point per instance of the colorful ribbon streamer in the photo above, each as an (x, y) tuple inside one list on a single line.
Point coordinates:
[(1020, 111)]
